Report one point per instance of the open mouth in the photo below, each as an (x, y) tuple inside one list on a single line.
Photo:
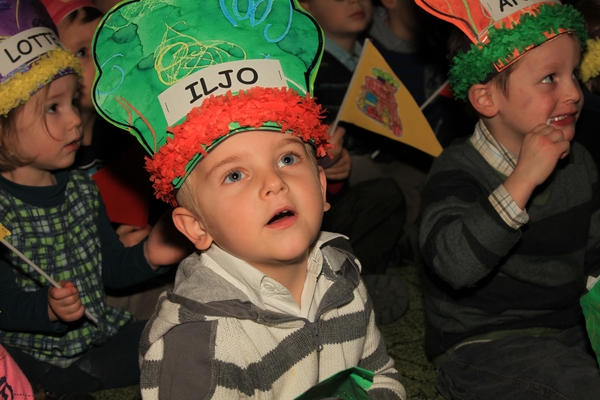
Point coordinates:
[(281, 215)]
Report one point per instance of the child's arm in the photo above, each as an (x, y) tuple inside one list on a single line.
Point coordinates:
[(387, 381), (126, 266), (540, 151), (64, 303), (462, 237), (165, 244), (131, 235), (24, 311)]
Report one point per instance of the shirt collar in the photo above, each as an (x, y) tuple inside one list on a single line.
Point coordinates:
[(347, 59), (496, 155), (266, 292)]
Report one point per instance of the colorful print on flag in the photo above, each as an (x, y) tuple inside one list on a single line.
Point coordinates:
[(378, 101)]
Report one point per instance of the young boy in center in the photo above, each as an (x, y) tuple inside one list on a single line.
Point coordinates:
[(269, 306), (510, 215)]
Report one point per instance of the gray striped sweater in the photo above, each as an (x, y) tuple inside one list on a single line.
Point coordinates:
[(206, 340), (484, 278)]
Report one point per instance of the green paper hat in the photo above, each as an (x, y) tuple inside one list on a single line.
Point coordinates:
[(182, 75)]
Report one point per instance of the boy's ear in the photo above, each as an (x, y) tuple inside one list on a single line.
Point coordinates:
[(191, 226), (482, 100), (323, 181)]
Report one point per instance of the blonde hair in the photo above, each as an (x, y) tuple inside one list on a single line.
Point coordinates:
[(10, 157)]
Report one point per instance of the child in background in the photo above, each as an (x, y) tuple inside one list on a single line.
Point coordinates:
[(57, 219), (368, 205), (76, 21), (412, 43), (269, 306), (399, 33), (590, 65), (511, 215)]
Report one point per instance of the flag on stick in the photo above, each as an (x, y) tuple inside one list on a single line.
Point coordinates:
[(378, 101)]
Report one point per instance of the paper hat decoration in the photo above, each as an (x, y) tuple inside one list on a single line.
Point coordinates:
[(501, 31), (31, 56), (183, 76), (59, 9), (590, 64)]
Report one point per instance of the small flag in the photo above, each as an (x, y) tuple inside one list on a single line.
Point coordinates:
[(378, 101)]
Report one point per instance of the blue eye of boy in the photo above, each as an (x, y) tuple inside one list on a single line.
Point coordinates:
[(288, 159), (548, 79), (80, 53), (233, 176)]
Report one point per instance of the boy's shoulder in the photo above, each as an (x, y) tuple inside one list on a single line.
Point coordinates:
[(460, 152)]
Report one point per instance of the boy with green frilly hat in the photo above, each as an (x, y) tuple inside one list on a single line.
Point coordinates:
[(510, 222), (220, 96)]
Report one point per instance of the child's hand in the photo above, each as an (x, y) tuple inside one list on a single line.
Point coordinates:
[(131, 235), (341, 163), (540, 151), (165, 244), (341, 169), (64, 303)]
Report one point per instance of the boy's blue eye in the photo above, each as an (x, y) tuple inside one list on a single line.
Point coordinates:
[(288, 159), (80, 53), (548, 79), (51, 109), (234, 176)]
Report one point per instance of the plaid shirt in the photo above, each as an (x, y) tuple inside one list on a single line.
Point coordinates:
[(503, 161), (64, 242)]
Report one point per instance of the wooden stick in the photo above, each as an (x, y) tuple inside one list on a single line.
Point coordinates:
[(44, 274), (433, 96)]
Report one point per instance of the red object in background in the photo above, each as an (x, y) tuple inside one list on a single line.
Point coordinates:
[(447, 91), (126, 188)]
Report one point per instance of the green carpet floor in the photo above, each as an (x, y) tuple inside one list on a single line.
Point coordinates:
[(404, 339)]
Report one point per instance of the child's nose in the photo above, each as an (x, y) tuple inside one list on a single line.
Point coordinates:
[(273, 183), (75, 119), (573, 91)]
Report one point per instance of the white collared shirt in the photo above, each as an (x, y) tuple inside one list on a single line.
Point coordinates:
[(267, 293)]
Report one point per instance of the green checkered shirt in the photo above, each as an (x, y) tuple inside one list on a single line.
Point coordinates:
[(63, 241)]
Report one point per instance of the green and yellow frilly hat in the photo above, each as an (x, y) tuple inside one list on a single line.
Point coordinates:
[(31, 56), (501, 32), (183, 75)]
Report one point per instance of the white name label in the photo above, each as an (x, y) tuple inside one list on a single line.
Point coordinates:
[(191, 91), (24, 47), (499, 9)]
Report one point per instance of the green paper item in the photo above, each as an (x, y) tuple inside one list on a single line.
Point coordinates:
[(144, 47), (590, 303), (349, 384)]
